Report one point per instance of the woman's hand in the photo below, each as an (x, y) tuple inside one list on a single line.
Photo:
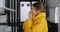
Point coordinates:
[(30, 15)]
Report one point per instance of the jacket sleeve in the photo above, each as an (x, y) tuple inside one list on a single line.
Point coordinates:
[(39, 26), (27, 24)]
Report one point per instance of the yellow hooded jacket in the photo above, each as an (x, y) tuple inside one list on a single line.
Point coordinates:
[(38, 24)]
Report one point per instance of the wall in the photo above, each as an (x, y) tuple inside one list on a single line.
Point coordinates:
[(53, 3), (2, 4)]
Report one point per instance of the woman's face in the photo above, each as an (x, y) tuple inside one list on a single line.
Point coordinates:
[(33, 10)]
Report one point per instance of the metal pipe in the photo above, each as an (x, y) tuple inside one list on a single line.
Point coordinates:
[(7, 9), (13, 14), (10, 11), (16, 13), (10, 16)]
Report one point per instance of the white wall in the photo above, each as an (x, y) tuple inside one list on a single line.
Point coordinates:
[(53, 3), (2, 4), (2, 17)]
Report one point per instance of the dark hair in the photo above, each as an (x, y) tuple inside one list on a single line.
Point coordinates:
[(38, 6)]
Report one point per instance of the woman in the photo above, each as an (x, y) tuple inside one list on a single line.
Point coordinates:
[(37, 19)]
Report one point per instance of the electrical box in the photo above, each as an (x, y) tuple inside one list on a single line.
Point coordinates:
[(25, 7), (24, 10)]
